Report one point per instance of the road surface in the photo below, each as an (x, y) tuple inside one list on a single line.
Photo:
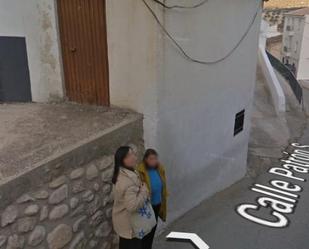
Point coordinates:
[(217, 222)]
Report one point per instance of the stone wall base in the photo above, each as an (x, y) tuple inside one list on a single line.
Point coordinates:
[(67, 202)]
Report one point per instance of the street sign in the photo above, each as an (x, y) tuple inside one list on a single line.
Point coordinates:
[(192, 237)]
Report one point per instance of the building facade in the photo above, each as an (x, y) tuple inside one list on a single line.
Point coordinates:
[(295, 45), (196, 107)]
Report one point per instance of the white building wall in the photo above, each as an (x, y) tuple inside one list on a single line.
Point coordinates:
[(36, 21), (303, 68), (285, 39), (290, 38), (133, 71), (297, 43), (298, 25), (198, 103), (190, 108)]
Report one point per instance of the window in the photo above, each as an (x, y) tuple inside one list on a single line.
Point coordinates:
[(296, 46), (239, 122)]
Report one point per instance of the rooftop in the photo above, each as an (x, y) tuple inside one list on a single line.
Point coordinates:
[(30, 133), (299, 12)]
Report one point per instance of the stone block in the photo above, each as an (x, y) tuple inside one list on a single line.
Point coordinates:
[(74, 202), (26, 224), (44, 213), (58, 195), (9, 215), (77, 173), (37, 236), (41, 194), (88, 196), (25, 198), (59, 237), (92, 172), (15, 242), (78, 242), (105, 162), (58, 182), (32, 210), (77, 224), (58, 212), (78, 186)]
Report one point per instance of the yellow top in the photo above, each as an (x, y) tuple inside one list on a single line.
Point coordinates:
[(145, 177)]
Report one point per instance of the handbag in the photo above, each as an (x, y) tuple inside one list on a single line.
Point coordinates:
[(143, 220)]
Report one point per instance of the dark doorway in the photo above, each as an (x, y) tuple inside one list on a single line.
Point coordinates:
[(84, 50), (14, 71)]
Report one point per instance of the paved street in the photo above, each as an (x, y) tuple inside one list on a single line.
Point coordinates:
[(217, 222)]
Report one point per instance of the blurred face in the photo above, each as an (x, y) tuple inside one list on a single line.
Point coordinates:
[(152, 161), (130, 160)]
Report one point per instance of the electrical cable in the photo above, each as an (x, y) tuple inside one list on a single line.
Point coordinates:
[(183, 51), (180, 6)]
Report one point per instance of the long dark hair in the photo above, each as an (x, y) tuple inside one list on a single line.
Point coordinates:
[(148, 153), (120, 155)]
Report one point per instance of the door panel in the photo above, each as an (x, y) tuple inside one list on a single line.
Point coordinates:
[(84, 49)]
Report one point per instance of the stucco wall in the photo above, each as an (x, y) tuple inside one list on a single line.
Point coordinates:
[(133, 56), (294, 42), (36, 21), (189, 108), (303, 72), (198, 103)]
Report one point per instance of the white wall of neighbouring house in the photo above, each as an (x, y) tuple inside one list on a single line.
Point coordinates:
[(36, 21), (294, 43), (303, 65), (189, 108), (273, 83)]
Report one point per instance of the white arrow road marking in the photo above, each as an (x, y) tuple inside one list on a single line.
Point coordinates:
[(194, 238)]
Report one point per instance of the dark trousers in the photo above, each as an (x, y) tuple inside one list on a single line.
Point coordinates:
[(148, 239), (130, 243)]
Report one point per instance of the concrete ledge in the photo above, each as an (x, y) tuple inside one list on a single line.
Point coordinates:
[(103, 143), (275, 88)]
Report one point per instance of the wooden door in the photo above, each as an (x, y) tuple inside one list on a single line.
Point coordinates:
[(82, 26)]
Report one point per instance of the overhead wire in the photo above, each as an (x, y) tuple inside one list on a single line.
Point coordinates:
[(185, 53), (180, 6)]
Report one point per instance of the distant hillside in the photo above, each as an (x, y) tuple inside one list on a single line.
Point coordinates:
[(286, 3)]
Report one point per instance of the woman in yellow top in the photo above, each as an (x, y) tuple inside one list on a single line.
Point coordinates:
[(152, 173)]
